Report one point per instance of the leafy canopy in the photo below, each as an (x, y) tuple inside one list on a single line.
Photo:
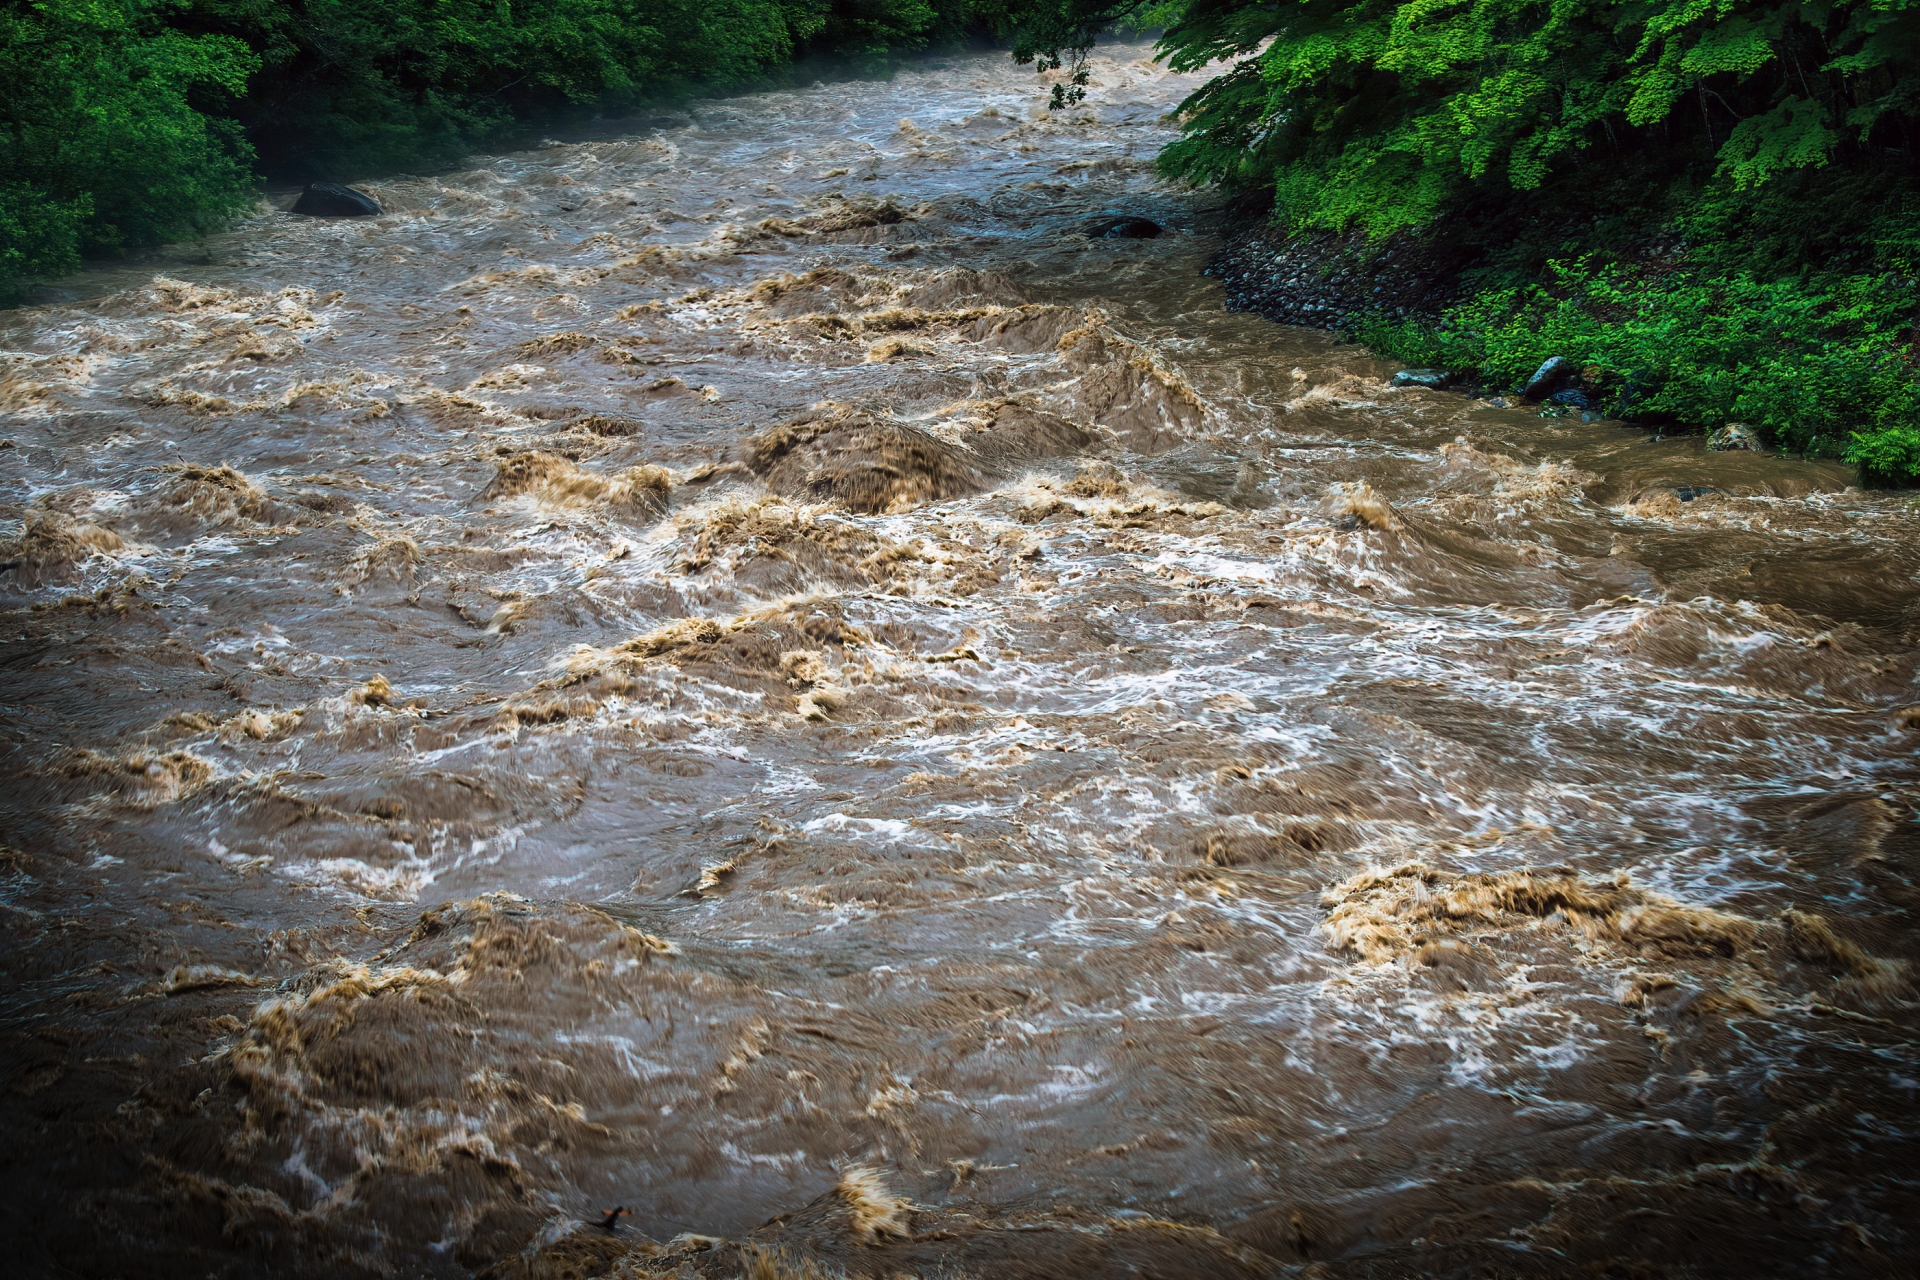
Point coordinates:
[(1385, 115)]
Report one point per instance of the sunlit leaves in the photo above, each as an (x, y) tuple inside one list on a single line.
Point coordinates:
[(1471, 92), (1795, 134)]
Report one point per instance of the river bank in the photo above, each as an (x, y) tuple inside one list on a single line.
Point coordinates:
[(1657, 355)]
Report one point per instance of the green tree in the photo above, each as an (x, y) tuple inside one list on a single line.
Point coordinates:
[(102, 146), (132, 122), (1387, 114)]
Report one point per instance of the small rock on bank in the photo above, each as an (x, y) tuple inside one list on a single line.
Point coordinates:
[(331, 200), (1431, 379), (1551, 378)]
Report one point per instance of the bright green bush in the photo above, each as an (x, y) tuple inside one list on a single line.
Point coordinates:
[(1386, 113), (1821, 367)]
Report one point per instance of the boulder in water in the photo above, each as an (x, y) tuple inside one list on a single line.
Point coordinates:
[(1431, 379), (1571, 398), (1735, 435), (1550, 377), (331, 200), (1125, 229)]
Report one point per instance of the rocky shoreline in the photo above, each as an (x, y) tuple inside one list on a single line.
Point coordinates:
[(1328, 280)]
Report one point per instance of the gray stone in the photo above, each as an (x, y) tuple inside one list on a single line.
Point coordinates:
[(1550, 377), (331, 200), (1431, 379), (1735, 435), (1125, 229)]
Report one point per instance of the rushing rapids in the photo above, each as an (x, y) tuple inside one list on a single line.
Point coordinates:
[(758, 670)]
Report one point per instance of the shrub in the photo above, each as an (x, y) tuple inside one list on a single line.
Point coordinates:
[(1821, 366)]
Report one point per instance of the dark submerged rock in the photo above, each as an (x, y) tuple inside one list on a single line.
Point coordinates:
[(1431, 379), (331, 200), (1551, 377), (1125, 229), (1571, 398)]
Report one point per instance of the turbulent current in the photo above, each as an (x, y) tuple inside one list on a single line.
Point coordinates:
[(750, 668)]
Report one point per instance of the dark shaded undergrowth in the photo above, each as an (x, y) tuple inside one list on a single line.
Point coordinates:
[(126, 123)]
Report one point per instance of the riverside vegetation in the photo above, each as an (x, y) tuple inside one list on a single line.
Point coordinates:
[(132, 122), (1708, 205)]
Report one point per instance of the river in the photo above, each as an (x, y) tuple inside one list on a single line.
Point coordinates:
[(745, 668)]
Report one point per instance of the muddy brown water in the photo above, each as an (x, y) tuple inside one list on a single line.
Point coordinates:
[(750, 671)]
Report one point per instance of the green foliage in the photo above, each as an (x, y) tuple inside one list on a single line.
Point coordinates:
[(102, 144), (39, 233), (362, 85), (1822, 366), (126, 123), (1387, 113)]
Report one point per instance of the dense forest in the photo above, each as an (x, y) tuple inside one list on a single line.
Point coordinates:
[(1710, 205)]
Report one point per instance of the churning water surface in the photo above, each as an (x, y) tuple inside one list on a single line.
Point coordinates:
[(751, 670)]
